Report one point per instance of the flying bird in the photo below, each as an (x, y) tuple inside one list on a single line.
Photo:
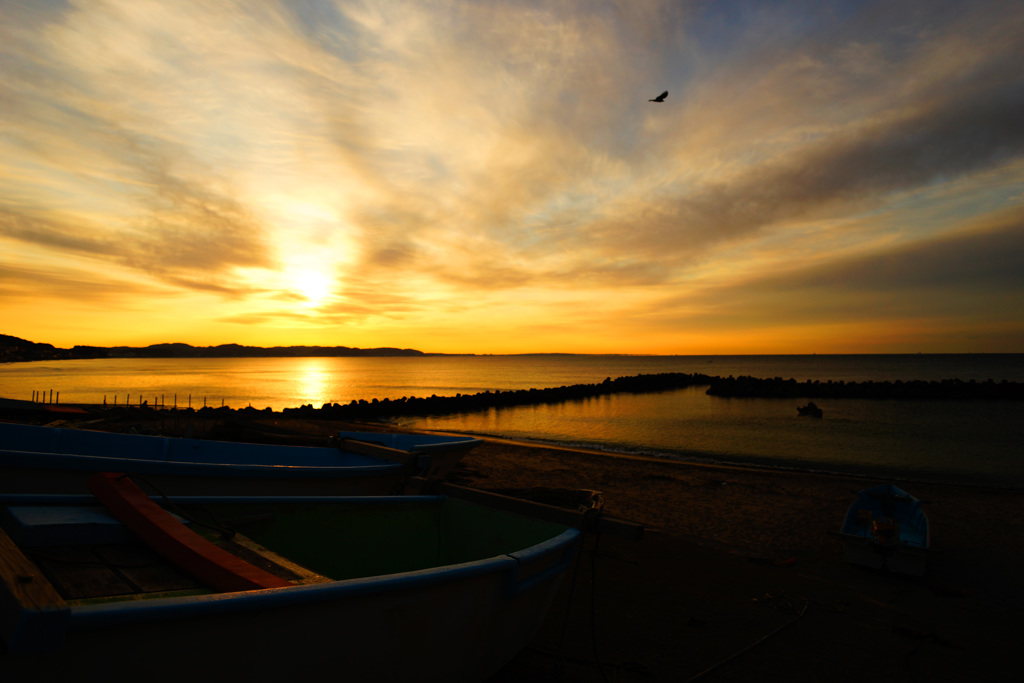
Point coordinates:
[(660, 98)]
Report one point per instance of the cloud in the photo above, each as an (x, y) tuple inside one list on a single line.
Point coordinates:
[(30, 284), (460, 157), (53, 235), (985, 260), (971, 125), (970, 274)]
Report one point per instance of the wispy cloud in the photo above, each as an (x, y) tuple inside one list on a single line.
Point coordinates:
[(346, 170)]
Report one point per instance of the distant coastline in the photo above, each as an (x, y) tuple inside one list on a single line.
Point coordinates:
[(14, 349)]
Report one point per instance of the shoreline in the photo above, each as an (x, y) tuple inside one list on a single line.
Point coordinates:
[(108, 413), (711, 462)]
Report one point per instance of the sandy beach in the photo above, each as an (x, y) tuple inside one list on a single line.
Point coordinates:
[(739, 575), (735, 559)]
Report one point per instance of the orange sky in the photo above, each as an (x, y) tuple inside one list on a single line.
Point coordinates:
[(490, 177)]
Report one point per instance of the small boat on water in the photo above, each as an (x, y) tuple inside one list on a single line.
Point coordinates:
[(37, 459), (402, 588), (810, 410), (885, 528)]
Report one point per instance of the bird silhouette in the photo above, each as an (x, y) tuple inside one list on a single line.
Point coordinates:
[(660, 98)]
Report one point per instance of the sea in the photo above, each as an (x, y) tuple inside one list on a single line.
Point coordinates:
[(966, 442)]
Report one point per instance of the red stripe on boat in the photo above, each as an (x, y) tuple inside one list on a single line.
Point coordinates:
[(161, 531)]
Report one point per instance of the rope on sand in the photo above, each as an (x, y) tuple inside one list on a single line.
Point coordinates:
[(748, 647)]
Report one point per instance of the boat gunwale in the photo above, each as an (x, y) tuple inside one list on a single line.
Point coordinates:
[(427, 442), (198, 606), (98, 463)]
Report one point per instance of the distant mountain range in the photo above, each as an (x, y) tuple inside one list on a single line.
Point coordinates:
[(16, 349)]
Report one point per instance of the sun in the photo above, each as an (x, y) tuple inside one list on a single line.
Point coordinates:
[(312, 244), (314, 286)]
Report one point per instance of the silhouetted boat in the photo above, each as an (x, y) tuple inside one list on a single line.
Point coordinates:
[(402, 588), (810, 410), (886, 528), (52, 460)]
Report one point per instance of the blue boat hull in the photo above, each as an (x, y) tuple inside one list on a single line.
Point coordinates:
[(886, 529), (53, 460)]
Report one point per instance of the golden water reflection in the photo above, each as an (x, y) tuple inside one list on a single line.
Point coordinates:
[(313, 381)]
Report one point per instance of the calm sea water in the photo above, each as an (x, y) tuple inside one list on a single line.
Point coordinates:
[(976, 442)]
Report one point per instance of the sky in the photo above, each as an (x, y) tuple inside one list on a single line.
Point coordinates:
[(490, 177)]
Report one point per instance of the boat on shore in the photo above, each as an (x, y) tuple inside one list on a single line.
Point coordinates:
[(886, 529), (424, 588), (443, 451), (36, 459)]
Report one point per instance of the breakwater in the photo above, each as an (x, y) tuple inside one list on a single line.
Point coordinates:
[(460, 403), (723, 387), (947, 389), (726, 387)]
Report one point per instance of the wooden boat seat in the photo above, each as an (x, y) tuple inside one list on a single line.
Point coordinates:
[(33, 616), (197, 556)]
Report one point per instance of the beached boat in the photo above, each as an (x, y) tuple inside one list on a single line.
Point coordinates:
[(52, 460), (406, 588), (444, 451), (885, 528)]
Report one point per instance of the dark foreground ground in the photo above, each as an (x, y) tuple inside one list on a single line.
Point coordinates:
[(738, 577)]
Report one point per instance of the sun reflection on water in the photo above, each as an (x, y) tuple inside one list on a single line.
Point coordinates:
[(313, 381)]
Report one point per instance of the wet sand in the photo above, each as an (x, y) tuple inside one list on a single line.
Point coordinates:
[(739, 576)]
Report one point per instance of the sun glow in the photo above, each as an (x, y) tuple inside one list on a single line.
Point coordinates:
[(312, 285), (312, 244)]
